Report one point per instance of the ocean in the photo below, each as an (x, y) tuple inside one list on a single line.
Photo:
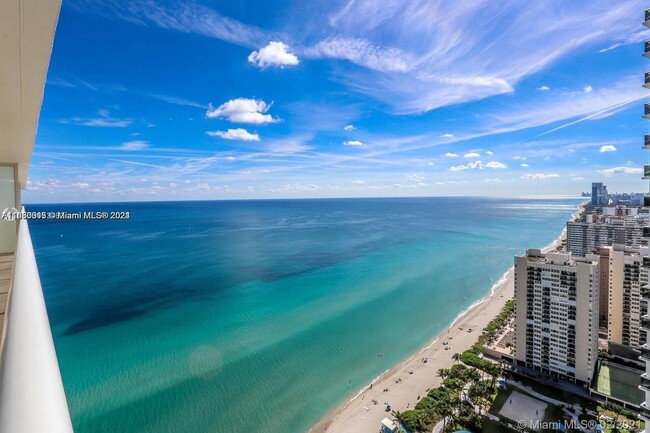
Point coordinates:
[(260, 316)]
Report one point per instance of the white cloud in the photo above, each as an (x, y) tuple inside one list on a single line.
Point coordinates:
[(447, 135), (521, 158), (349, 128), (274, 54), (621, 170), (235, 134), (451, 155), (472, 155), (578, 178), (543, 88), (489, 152), (524, 165), (607, 148), (588, 89), (478, 165), (539, 176), (134, 145), (352, 143), (243, 110), (495, 164)]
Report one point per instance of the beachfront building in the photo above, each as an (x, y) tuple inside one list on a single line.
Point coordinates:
[(32, 399), (556, 314), (645, 289), (598, 194), (623, 275), (598, 230)]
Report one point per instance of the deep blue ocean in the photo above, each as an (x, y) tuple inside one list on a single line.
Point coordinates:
[(260, 316)]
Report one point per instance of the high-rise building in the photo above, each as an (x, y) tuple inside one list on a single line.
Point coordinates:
[(604, 230), (556, 314), (645, 291), (596, 193), (623, 274)]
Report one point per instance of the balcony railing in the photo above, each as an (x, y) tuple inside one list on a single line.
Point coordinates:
[(645, 412), (645, 382), (646, 84), (647, 49), (32, 399), (645, 321), (647, 18), (646, 171)]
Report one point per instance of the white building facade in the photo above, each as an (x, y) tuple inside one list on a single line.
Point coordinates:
[(556, 314)]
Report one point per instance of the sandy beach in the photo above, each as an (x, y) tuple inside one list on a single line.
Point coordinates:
[(412, 378)]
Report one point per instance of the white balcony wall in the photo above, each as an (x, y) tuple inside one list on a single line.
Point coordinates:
[(32, 398)]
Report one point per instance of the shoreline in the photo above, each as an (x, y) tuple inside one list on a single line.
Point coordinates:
[(411, 378)]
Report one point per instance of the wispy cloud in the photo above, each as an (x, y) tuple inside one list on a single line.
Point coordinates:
[(134, 145), (353, 143), (103, 119), (621, 170), (179, 16), (362, 52), (471, 50), (633, 38)]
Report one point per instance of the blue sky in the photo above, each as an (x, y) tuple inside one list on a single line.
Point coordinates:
[(222, 100)]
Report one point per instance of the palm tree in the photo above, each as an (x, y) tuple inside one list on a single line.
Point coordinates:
[(444, 409), (421, 421), (456, 357), (399, 416), (443, 373)]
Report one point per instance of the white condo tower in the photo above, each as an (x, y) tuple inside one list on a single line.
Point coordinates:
[(645, 290)]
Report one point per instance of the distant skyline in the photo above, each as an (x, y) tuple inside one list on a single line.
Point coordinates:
[(232, 100)]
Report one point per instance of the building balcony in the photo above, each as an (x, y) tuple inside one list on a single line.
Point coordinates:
[(32, 398), (646, 112), (646, 172), (645, 350), (646, 53), (645, 321), (645, 382), (646, 22), (644, 411)]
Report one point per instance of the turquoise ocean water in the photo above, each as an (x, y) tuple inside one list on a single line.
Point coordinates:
[(260, 316)]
